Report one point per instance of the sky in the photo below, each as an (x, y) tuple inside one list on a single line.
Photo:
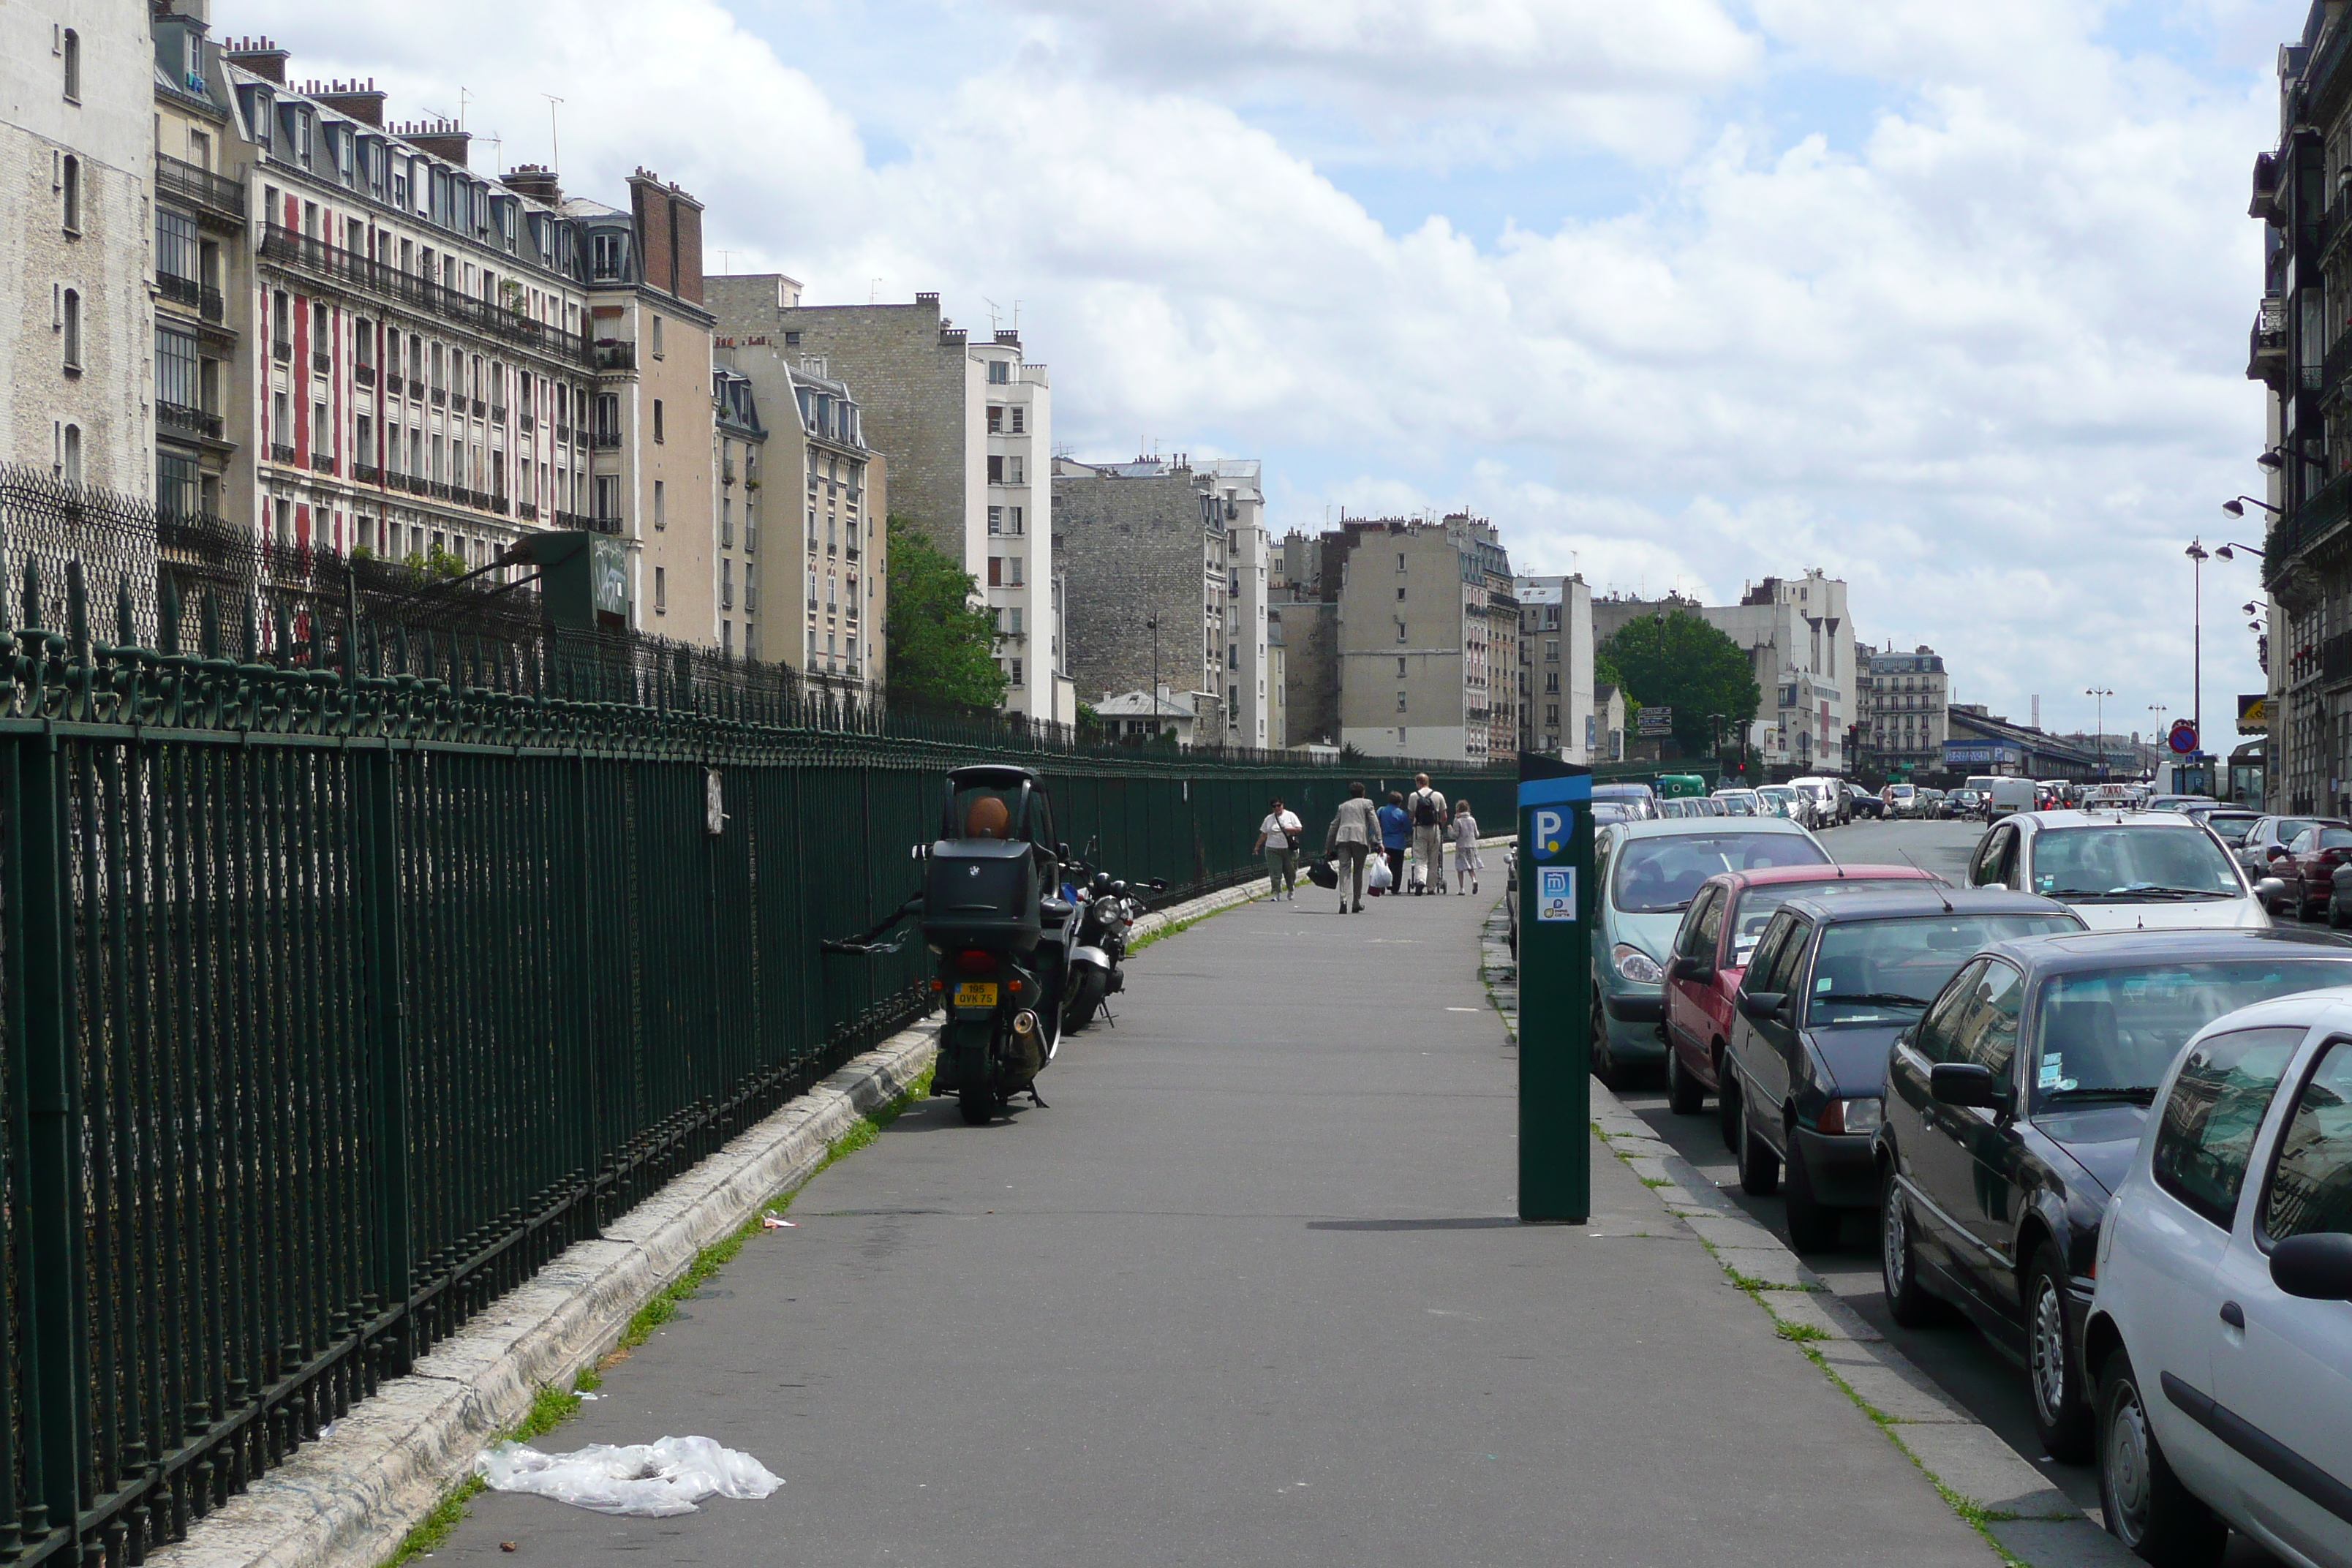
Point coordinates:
[(1950, 301)]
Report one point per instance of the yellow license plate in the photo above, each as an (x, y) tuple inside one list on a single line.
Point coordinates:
[(976, 994)]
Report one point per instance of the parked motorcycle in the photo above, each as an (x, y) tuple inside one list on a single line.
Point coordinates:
[(1099, 946), (990, 910)]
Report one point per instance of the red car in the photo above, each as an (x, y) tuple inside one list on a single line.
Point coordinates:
[(2308, 867), (1720, 929)]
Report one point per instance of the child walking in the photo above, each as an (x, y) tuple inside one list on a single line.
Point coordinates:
[(1465, 845)]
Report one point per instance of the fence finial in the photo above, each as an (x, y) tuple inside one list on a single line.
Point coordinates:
[(76, 612), (125, 634), (208, 632), (33, 617), (167, 613)]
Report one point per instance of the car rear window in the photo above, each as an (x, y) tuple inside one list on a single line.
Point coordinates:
[(2232, 829), (1886, 972), (2110, 1034), (1758, 904), (2333, 838), (1661, 875)]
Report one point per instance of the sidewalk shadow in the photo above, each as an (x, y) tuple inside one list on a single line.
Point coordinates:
[(1485, 1222)]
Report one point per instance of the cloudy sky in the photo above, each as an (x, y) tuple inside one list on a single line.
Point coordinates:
[(1949, 299)]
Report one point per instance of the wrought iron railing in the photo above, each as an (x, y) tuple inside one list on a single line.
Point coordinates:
[(317, 257), (177, 177)]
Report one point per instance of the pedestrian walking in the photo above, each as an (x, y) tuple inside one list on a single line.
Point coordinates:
[(1466, 862), (1426, 807), (1396, 834), (1354, 833), (1277, 839)]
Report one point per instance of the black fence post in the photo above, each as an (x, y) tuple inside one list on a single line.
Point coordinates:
[(378, 859)]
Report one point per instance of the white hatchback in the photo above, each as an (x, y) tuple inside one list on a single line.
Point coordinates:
[(2220, 1337), (2123, 871)]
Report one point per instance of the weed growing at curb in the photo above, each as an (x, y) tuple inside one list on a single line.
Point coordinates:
[(1802, 1333), (552, 1407)]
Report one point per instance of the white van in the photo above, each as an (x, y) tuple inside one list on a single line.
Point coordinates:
[(2007, 795)]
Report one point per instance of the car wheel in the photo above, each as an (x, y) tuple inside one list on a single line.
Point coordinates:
[(2335, 913), (1685, 1096), (1727, 1105), (2062, 1409), (1606, 1066), (2147, 1508), (1759, 1168), (1908, 1301), (1812, 1226)]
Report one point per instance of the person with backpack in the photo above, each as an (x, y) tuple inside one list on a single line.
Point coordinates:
[(1426, 808)]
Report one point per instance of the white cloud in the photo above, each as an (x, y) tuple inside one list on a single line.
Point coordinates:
[(1983, 358)]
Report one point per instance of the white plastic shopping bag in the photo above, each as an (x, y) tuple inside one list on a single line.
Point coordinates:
[(643, 1480), (1378, 876)]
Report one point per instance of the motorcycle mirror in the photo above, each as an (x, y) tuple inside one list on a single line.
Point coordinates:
[(919, 852), (1063, 849), (1159, 884)]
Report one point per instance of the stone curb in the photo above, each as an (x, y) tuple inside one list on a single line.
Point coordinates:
[(349, 1500)]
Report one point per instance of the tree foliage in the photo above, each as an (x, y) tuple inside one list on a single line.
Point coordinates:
[(1606, 673), (942, 646), (1679, 661)]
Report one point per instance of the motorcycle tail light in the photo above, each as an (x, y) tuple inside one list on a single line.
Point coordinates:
[(974, 961)]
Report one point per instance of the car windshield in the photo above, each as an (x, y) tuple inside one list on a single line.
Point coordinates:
[(2232, 829), (2127, 863), (2110, 1034), (1886, 972), (1758, 904), (1659, 876)]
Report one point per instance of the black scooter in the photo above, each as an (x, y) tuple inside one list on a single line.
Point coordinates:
[(1108, 913), (989, 910)]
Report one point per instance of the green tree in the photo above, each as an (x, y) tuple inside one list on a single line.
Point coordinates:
[(1679, 661), (1606, 673), (942, 647)]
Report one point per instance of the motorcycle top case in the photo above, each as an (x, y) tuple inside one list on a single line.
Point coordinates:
[(982, 892)]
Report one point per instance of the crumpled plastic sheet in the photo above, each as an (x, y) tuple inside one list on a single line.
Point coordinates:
[(641, 1480)]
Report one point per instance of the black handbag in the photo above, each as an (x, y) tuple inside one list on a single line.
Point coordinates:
[(1323, 874)]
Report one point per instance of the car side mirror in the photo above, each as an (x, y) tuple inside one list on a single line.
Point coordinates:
[(2317, 1267), (1964, 1083), (1693, 968), (1761, 1006)]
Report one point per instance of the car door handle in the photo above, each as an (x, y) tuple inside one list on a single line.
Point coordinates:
[(2234, 1315)]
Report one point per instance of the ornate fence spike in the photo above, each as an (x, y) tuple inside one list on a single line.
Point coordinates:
[(208, 629), (126, 634), (249, 631), (33, 618), (167, 613), (77, 611)]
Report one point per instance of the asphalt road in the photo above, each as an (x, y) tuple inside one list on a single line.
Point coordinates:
[(1982, 1379), (1250, 1292)]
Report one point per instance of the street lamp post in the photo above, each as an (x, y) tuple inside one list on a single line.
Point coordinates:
[(2099, 723), (2196, 553), (1154, 622)]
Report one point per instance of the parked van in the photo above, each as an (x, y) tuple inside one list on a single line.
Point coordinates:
[(2007, 795)]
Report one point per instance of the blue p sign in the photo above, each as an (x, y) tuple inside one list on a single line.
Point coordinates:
[(1551, 835)]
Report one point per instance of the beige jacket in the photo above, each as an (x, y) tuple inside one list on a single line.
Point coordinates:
[(1355, 822)]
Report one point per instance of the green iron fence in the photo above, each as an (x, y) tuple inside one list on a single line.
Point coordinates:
[(359, 959)]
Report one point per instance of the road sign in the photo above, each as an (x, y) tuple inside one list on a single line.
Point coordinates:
[(1655, 721), (1555, 968), (2254, 714), (2183, 738)]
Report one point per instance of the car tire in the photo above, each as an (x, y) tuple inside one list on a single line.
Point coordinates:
[(2061, 1405), (1727, 1104), (1908, 1300), (1605, 1064), (2335, 913), (2158, 1519), (1812, 1224), (1759, 1168), (1685, 1096)]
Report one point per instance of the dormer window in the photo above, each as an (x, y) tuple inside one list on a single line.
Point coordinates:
[(605, 255), (302, 136)]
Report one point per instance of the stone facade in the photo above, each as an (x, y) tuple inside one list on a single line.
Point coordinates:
[(1423, 637), (1556, 694), (1902, 710), (76, 146), (1310, 658)]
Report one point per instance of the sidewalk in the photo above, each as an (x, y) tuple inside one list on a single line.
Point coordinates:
[(1249, 1292)]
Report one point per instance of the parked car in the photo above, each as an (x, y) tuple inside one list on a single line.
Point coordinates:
[(1902, 799), (1832, 981), (2219, 1339), (2268, 838), (2111, 797), (1737, 802), (2012, 1112), (1863, 802), (1605, 811), (1964, 803), (1828, 800), (2007, 795), (2175, 802), (2229, 824), (1931, 803), (2307, 870), (1640, 797), (2146, 871), (1645, 875), (1710, 950), (1781, 800)]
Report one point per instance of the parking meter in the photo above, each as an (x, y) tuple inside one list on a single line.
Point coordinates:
[(1556, 892)]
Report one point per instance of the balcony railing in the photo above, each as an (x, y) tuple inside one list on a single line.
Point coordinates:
[(439, 397), (323, 461), (366, 474), (610, 355), (497, 413), (364, 374), (321, 360), (282, 349), (177, 177), (285, 247), (528, 510), (191, 421), (418, 485), (581, 523), (526, 423), (178, 289), (727, 471), (563, 435), (608, 440), (279, 452), (481, 408), (211, 305)]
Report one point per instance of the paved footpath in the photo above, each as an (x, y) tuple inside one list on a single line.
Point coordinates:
[(1248, 1293)]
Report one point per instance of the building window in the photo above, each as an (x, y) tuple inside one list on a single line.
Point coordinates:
[(1399, 593), (69, 47), (1399, 702), (1399, 560), (1000, 373), (1399, 667), (658, 429), (996, 418), (726, 584), (1013, 570), (658, 337), (605, 255), (996, 571), (1016, 421), (1016, 672), (70, 193), (1012, 520), (661, 506), (996, 520), (69, 325), (995, 471), (69, 455), (1013, 471), (1400, 631), (661, 592)]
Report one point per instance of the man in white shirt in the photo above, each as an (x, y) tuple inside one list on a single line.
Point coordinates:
[(1425, 809), (1277, 838)]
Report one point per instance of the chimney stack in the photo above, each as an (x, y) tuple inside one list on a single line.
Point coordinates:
[(364, 104), (536, 182), (258, 56), (440, 137)]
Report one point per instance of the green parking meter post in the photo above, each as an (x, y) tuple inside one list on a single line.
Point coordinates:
[(1555, 855)]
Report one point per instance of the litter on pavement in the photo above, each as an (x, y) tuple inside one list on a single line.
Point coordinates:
[(654, 1480), (771, 1222)]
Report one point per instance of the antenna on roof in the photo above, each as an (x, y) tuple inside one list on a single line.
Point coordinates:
[(555, 151), (1935, 884)]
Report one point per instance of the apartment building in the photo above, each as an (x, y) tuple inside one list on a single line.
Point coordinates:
[(1556, 690), (965, 429), (1419, 638), (77, 144), (825, 527), (1902, 710), (416, 379), (1166, 563), (1800, 637), (203, 286), (739, 444)]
